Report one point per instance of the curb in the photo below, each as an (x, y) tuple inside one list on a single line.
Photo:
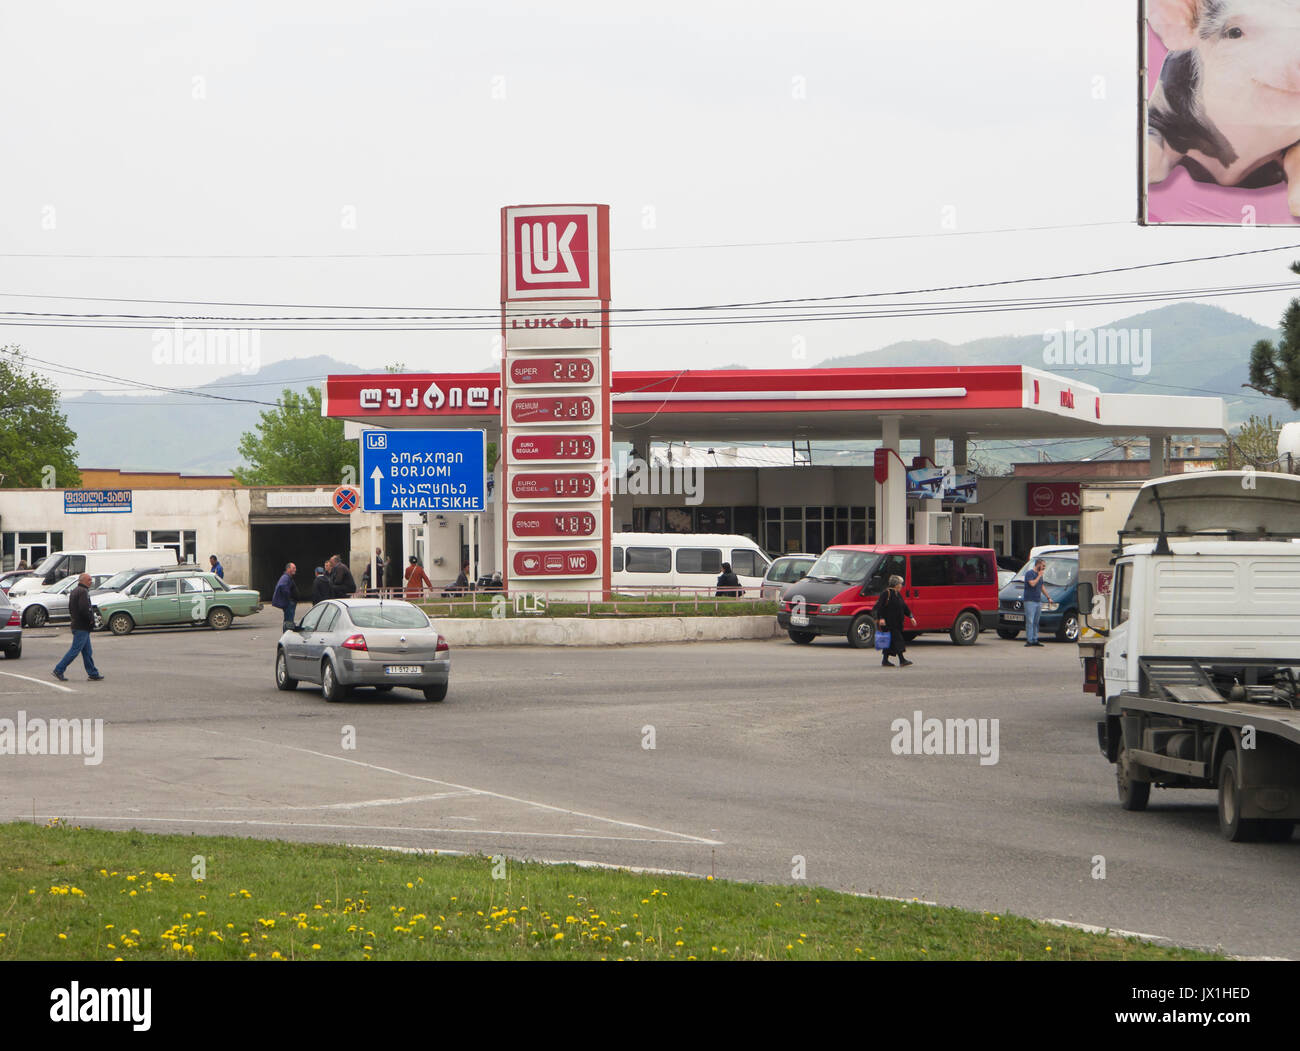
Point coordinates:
[(582, 631)]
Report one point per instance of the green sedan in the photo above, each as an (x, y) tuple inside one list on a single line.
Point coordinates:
[(174, 598)]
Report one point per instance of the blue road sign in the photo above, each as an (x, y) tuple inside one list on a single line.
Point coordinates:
[(423, 470)]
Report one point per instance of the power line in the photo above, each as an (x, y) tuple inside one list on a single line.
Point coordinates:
[(627, 249)]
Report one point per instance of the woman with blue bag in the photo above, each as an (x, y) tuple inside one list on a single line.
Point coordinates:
[(889, 611)]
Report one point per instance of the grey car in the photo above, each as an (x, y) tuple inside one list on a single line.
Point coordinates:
[(11, 629), (51, 602), (348, 642)]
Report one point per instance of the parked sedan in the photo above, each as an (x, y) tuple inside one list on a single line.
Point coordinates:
[(785, 571), (11, 629), (51, 602), (174, 598), (382, 643)]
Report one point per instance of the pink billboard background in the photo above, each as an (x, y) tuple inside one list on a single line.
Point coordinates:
[(1181, 199)]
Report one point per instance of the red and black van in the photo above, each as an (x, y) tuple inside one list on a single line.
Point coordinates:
[(952, 589)]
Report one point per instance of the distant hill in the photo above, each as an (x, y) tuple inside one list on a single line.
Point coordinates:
[(171, 432), (1195, 350)]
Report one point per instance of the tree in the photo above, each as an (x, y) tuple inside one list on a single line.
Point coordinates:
[(36, 443), (1256, 442), (1275, 369), (295, 445)]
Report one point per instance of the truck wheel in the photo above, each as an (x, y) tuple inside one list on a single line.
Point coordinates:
[(1133, 795), (862, 632), (1069, 629), (965, 629), (802, 637), (1231, 824), (1008, 633)]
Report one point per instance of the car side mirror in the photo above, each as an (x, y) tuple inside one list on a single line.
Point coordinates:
[(1085, 599)]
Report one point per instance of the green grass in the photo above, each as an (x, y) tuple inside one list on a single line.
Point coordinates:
[(626, 606), (69, 893)]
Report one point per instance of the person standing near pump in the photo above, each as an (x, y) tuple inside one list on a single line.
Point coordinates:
[(80, 616), (1034, 599), (285, 598), (890, 610)]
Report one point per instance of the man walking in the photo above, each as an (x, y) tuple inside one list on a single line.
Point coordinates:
[(1034, 598), (79, 612), (285, 598)]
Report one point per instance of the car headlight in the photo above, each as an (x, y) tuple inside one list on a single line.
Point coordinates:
[(830, 609)]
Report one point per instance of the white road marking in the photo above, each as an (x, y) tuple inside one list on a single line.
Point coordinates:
[(476, 791), (251, 822), (39, 682)]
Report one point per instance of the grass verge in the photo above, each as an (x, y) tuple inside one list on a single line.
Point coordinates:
[(69, 893), (625, 607)]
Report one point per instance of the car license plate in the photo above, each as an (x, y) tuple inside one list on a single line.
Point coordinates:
[(402, 669), (1013, 616), (799, 620)]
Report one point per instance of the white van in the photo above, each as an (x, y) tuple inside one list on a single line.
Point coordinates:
[(672, 561), (65, 563)]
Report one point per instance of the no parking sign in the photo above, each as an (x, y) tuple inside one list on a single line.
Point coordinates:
[(347, 498)]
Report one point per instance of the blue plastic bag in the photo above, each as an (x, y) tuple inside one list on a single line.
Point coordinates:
[(884, 640)]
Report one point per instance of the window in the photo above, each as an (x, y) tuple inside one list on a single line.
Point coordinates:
[(138, 588), (310, 621), (973, 569), (677, 520), (649, 560), (929, 571), (76, 564), (166, 588), (389, 615), (746, 563), (194, 585), (1120, 594), (328, 618), (616, 559), (699, 560)]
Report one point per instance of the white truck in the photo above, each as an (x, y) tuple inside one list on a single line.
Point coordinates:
[(1198, 661)]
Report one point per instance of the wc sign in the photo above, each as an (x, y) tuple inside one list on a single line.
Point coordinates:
[(555, 252)]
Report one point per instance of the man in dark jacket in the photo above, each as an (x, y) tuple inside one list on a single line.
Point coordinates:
[(889, 611), (729, 583), (80, 614), (341, 579), (320, 587), (285, 598)]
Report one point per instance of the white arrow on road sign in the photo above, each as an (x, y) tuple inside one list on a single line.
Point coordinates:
[(377, 474)]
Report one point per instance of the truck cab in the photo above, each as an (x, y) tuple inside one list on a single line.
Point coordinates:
[(1198, 658)]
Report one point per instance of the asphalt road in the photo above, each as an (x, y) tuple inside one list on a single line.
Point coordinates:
[(763, 753)]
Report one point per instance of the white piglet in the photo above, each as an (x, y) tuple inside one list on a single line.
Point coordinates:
[(1228, 103)]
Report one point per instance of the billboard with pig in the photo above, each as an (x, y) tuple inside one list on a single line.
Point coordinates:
[(1221, 112)]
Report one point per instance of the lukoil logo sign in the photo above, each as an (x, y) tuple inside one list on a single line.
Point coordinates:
[(553, 251)]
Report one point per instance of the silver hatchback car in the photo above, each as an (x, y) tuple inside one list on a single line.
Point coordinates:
[(348, 642)]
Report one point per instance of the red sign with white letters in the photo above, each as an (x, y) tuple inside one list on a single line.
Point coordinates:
[(581, 562), (1052, 498), (547, 524), (551, 409), (553, 447), (557, 486), (552, 371)]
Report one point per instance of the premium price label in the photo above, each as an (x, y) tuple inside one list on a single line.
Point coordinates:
[(552, 409)]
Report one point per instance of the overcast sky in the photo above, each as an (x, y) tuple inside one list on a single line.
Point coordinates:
[(261, 128)]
